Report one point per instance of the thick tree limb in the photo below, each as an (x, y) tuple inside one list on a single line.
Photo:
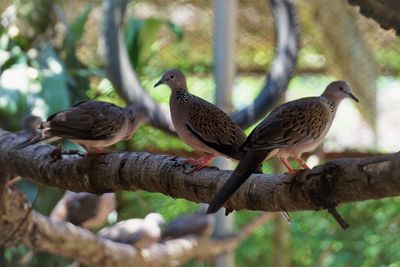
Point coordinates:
[(386, 13), (326, 186), (43, 234), (4, 178)]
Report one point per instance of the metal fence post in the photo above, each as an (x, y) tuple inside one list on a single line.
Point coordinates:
[(224, 73)]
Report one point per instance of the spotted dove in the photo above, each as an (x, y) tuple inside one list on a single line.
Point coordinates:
[(200, 124), (84, 209), (31, 123), (198, 224), (92, 124), (288, 131)]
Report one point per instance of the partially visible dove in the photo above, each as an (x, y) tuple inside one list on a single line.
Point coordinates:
[(288, 131), (198, 224), (84, 209), (140, 233), (92, 124), (200, 124), (31, 123)]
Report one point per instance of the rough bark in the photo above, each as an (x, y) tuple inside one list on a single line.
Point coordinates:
[(14, 222), (335, 182), (385, 12), (281, 234), (18, 226)]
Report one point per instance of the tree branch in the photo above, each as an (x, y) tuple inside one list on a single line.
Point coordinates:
[(43, 234), (326, 186), (4, 178), (384, 12)]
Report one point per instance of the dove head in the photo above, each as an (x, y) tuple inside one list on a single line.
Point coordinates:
[(339, 90), (156, 218), (174, 78), (31, 123)]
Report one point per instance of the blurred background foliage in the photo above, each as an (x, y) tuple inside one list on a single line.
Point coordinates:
[(50, 58)]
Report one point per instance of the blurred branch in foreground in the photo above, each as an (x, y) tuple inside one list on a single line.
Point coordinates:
[(324, 187), (43, 234), (384, 12)]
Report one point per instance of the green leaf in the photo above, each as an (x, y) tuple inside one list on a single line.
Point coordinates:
[(12, 108), (141, 39), (176, 29), (14, 85), (10, 58), (77, 26), (53, 78), (139, 34), (4, 41)]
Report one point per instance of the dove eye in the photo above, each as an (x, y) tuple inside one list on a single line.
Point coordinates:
[(172, 76), (341, 88)]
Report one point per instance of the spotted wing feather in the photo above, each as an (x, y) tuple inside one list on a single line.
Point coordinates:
[(88, 120), (215, 128), (296, 121)]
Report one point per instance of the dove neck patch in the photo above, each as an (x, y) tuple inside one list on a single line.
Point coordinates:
[(182, 95), (131, 116), (330, 103)]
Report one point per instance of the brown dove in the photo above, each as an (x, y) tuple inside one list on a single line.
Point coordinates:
[(198, 224), (200, 124), (140, 233), (288, 131), (31, 123), (92, 124), (84, 209)]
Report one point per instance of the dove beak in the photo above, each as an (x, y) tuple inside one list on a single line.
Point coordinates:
[(353, 97), (158, 83)]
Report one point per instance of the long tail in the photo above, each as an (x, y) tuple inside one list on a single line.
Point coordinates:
[(248, 165), (36, 138)]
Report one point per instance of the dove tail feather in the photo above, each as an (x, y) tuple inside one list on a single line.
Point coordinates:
[(37, 138), (248, 165), (30, 141)]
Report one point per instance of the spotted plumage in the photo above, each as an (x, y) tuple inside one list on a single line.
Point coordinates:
[(201, 124), (183, 96), (288, 131), (93, 124), (214, 126), (87, 120), (330, 102), (302, 120)]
